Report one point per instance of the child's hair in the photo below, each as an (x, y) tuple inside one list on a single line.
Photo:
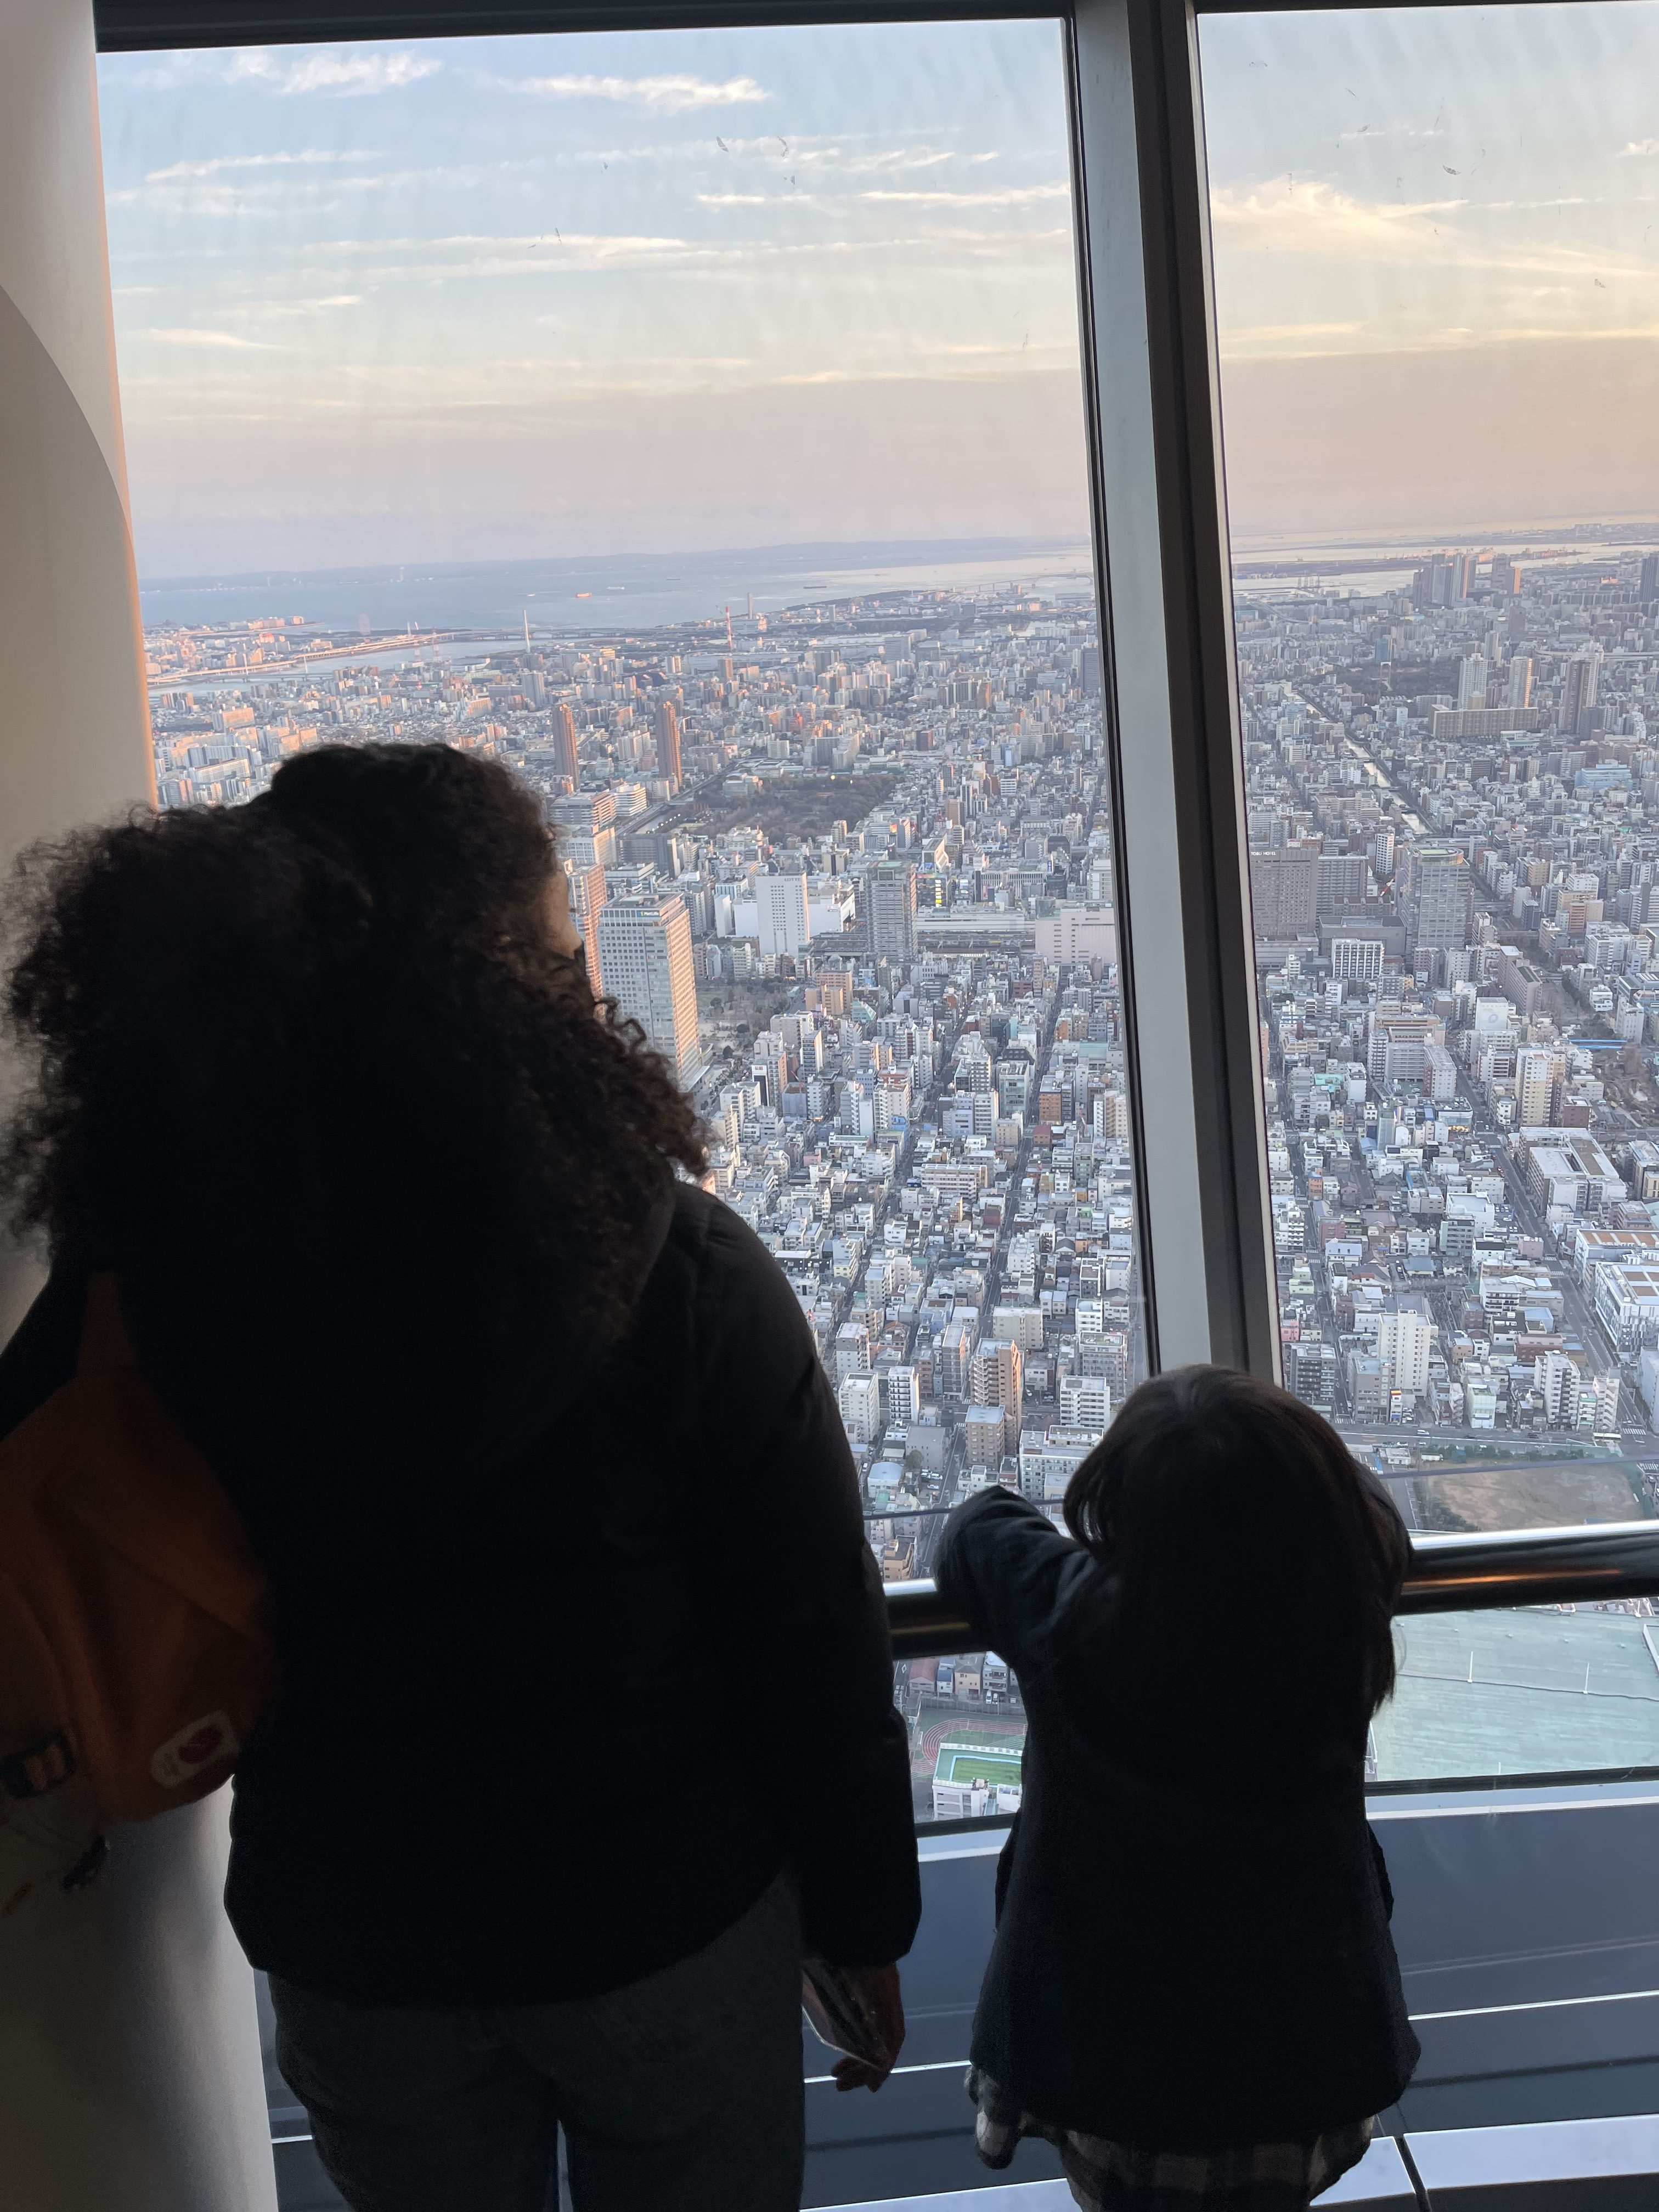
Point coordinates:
[(1254, 1567)]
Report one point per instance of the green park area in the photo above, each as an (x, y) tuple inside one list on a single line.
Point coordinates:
[(961, 1760)]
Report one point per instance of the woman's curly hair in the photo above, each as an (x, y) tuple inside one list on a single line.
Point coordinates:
[(316, 1060)]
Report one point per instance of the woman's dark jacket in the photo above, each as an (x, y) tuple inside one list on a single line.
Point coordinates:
[(1193, 1951), (547, 1727)]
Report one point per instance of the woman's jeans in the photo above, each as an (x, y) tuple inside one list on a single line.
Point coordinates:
[(679, 2093)]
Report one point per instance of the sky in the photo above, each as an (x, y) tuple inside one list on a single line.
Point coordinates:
[(1437, 254), (484, 299)]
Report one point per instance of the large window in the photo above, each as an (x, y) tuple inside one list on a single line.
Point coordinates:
[(694, 421), (1434, 253)]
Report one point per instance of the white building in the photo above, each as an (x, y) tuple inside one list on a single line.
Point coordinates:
[(781, 923), (860, 1399), (1402, 1351), (1077, 929), (1085, 1403), (903, 1397), (1049, 1458)]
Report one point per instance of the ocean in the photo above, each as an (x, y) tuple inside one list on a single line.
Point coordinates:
[(562, 596)]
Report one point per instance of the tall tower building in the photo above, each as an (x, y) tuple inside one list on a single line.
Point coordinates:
[(893, 909), (1648, 592), (994, 1378), (1538, 1077), (645, 953), (564, 740), (668, 740), (1472, 680), (1580, 680), (780, 905), (1520, 687), (587, 896), (1440, 899), (1402, 1351)]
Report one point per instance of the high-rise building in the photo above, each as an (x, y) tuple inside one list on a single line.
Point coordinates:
[(1648, 592), (1402, 1352), (1285, 889), (860, 1399), (955, 1356), (781, 907), (668, 740), (1357, 959), (851, 1350), (1472, 680), (564, 740), (892, 894), (1580, 680), (1431, 584), (994, 1378), (586, 824), (645, 952), (1085, 1403), (1539, 1076), (904, 1399), (1440, 897), (1519, 693), (1341, 882), (587, 896), (1557, 1379)]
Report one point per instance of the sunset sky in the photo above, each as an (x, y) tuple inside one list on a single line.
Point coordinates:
[(479, 299)]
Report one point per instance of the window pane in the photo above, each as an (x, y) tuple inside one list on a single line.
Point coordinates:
[(1541, 1689), (1435, 253), (694, 421), (966, 1734)]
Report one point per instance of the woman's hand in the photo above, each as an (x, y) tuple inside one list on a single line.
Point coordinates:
[(878, 1989)]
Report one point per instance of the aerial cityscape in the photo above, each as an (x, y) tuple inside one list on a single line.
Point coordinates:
[(1448, 783)]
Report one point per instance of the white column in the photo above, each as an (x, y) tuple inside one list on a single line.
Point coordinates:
[(130, 2074), (73, 724), (129, 2070)]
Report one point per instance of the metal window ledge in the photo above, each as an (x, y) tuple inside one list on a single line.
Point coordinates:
[(1603, 2166)]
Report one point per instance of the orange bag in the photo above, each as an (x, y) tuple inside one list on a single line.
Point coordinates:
[(135, 1652)]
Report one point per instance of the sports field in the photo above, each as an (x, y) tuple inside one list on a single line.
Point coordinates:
[(976, 1762)]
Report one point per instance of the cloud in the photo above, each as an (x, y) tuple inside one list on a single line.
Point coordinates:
[(199, 338), (1313, 220), (658, 95), (305, 306), (1014, 195), (1285, 217), (211, 168), (436, 260), (187, 189), (329, 71), (1265, 333), (1638, 148)]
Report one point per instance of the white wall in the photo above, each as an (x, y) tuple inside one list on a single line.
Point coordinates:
[(130, 2076)]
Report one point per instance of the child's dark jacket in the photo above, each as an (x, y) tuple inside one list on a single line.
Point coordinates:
[(1190, 1955)]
